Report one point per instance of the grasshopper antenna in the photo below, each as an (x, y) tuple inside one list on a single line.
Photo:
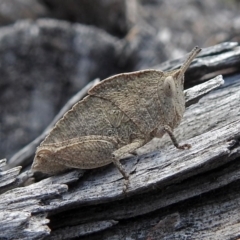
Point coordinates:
[(187, 63)]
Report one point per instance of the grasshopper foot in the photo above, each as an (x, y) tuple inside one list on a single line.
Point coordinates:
[(185, 146)]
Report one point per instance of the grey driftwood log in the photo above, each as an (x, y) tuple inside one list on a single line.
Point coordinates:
[(191, 194)]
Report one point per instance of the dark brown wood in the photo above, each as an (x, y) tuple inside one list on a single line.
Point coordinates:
[(173, 194)]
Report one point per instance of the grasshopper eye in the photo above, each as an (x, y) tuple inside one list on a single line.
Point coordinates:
[(169, 87)]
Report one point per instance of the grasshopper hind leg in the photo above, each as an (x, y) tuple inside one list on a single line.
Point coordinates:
[(118, 154)]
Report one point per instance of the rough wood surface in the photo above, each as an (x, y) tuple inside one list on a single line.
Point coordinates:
[(8, 179), (191, 194)]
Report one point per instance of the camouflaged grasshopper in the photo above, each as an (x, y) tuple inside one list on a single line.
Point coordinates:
[(120, 114)]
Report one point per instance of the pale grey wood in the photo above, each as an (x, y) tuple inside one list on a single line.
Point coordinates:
[(212, 216), (195, 93), (8, 178), (28, 198), (22, 225)]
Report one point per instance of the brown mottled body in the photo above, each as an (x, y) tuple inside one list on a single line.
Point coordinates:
[(121, 114)]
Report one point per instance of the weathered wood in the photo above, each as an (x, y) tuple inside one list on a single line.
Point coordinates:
[(173, 194), (18, 207), (194, 94), (81, 230), (8, 179), (212, 216), (21, 225)]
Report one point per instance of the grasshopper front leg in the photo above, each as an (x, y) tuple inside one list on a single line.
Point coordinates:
[(174, 140), (167, 129)]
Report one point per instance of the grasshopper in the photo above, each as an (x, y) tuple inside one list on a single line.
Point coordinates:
[(120, 114)]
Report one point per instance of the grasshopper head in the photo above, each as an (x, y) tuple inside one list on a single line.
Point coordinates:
[(173, 88)]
